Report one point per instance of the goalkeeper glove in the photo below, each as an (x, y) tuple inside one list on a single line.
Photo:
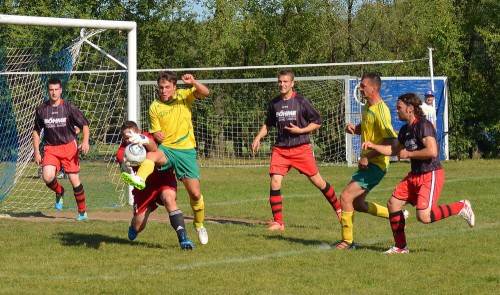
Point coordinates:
[(137, 138), (126, 167)]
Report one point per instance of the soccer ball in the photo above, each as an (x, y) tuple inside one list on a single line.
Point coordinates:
[(135, 154)]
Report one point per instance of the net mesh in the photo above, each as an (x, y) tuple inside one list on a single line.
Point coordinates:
[(96, 85), (226, 122)]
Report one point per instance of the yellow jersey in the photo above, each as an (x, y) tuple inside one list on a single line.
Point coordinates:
[(173, 119), (375, 127)]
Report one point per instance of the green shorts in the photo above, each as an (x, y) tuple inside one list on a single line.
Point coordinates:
[(369, 178), (183, 161)]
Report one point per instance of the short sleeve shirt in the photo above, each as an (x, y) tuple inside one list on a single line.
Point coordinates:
[(296, 110), (58, 123), (375, 127), (173, 119), (429, 112), (411, 137)]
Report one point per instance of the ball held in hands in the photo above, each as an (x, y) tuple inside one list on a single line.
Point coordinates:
[(137, 138), (134, 155)]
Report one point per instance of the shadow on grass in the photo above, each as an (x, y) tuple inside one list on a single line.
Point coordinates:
[(245, 222), (307, 242), (375, 248), (96, 241), (311, 242), (30, 214)]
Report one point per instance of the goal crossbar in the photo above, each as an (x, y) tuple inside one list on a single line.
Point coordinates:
[(254, 80), (129, 26)]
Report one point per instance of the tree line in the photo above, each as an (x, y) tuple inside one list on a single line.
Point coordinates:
[(464, 35)]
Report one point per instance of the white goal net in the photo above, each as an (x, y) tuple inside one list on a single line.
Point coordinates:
[(95, 81), (227, 121)]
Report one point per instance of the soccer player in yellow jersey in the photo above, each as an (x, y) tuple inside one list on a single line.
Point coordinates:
[(375, 126), (171, 125)]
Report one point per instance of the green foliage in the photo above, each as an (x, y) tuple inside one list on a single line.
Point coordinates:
[(464, 36), (476, 84)]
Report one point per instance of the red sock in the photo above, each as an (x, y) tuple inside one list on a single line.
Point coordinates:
[(276, 201), (55, 186), (444, 211), (80, 197), (331, 197), (398, 224)]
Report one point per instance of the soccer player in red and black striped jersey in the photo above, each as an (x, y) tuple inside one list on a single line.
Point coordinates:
[(295, 118), (423, 184), (58, 119)]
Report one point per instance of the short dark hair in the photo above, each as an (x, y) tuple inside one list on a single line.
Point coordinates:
[(412, 99), (374, 78), (54, 81), (286, 72), (129, 125), (168, 76)]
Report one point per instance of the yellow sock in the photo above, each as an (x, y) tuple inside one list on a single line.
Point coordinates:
[(347, 226), (147, 167), (198, 211), (378, 210)]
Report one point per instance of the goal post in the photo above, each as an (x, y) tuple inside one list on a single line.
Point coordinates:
[(130, 27), (391, 89), (98, 71)]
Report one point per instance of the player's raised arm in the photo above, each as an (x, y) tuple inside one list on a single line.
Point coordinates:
[(297, 130), (201, 90)]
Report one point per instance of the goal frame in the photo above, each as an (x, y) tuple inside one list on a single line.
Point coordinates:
[(129, 26), (131, 55)]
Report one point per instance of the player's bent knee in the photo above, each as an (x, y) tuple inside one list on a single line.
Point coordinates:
[(423, 218)]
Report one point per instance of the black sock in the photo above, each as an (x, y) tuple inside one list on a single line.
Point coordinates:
[(177, 223)]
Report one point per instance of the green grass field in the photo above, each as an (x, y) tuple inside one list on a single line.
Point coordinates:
[(95, 257)]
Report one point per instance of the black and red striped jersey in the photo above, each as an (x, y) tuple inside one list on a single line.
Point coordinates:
[(296, 110), (411, 137), (58, 123)]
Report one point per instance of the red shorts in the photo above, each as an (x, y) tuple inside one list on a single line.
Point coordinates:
[(65, 155), (421, 190), (299, 157), (150, 196)]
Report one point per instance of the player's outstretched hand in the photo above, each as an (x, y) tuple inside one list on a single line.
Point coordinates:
[(137, 138)]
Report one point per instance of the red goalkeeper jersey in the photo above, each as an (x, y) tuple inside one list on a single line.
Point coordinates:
[(159, 177)]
